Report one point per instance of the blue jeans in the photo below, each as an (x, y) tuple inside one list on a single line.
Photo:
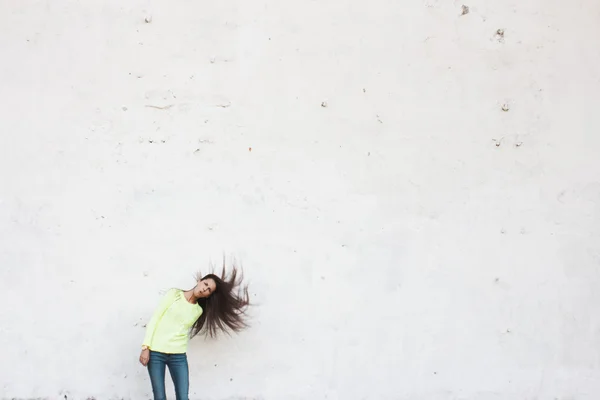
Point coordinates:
[(178, 367)]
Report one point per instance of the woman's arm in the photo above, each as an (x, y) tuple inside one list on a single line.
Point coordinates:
[(166, 301)]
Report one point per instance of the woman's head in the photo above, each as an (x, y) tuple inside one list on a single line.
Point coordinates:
[(224, 300), (205, 286)]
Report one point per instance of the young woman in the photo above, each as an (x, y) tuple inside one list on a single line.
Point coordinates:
[(214, 304)]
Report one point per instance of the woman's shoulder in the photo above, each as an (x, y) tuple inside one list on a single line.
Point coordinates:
[(172, 292)]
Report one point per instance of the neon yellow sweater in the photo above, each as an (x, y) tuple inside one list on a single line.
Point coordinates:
[(168, 329)]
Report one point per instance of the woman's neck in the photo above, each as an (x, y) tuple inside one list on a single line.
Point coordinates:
[(189, 296)]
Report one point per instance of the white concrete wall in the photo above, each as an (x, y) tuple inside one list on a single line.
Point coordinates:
[(395, 250)]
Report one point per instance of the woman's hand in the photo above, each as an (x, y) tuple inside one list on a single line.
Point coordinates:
[(145, 357)]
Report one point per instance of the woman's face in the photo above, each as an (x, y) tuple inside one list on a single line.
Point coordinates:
[(205, 288)]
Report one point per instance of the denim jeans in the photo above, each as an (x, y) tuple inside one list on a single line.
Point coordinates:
[(178, 367)]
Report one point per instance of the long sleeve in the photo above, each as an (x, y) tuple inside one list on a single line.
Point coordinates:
[(165, 302)]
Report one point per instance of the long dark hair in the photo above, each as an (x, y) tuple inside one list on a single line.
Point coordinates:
[(225, 309)]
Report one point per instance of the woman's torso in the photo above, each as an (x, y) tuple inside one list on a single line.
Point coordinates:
[(172, 329)]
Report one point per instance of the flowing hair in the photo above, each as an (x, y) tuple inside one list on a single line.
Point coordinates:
[(225, 309)]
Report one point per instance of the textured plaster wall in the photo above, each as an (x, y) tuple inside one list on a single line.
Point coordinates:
[(405, 237)]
